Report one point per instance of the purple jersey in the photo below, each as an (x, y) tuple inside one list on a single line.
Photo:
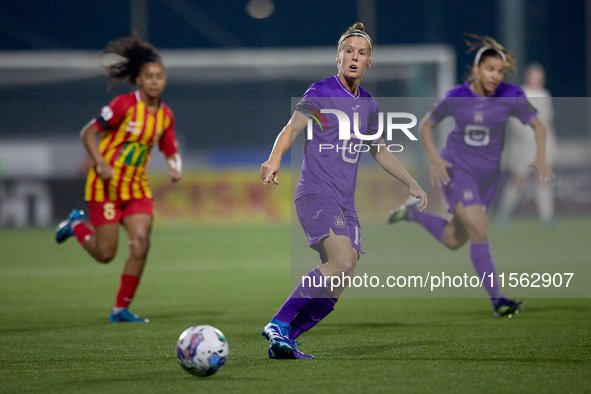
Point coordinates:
[(330, 164), (477, 139)]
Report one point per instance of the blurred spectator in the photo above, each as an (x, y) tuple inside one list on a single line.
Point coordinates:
[(522, 151)]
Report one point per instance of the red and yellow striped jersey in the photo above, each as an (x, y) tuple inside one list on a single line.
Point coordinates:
[(128, 133)]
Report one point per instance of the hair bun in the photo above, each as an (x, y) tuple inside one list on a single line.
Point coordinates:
[(357, 26)]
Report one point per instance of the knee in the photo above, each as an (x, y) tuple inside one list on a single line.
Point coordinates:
[(105, 255), (346, 263), (479, 234), (454, 237), (455, 244), (519, 180), (140, 245)]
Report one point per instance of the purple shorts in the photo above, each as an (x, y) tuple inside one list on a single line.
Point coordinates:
[(470, 187), (319, 213)]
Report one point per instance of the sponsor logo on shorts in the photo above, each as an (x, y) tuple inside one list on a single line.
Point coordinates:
[(317, 213), (339, 221), (468, 196)]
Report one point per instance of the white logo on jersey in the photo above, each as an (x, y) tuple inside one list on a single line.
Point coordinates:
[(355, 107), (478, 116), (134, 127), (476, 135), (106, 112), (345, 125), (317, 213)]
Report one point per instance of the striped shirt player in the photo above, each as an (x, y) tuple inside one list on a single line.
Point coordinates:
[(117, 190), (128, 133)]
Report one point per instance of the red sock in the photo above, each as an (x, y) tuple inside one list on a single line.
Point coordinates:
[(81, 230), (126, 290)]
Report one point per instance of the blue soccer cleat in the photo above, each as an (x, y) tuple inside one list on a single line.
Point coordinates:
[(295, 354), (300, 355), (506, 307), (278, 334), (124, 315), (64, 229), (279, 355), (282, 348)]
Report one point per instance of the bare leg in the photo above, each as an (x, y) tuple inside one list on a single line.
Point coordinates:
[(139, 228), (473, 221), (102, 244), (454, 234), (545, 202), (342, 259), (510, 197)]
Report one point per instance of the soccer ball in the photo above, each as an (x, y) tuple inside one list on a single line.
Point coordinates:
[(202, 350)]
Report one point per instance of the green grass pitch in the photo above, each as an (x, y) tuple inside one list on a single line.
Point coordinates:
[(55, 336)]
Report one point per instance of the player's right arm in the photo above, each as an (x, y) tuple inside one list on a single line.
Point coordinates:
[(286, 137), (110, 117), (439, 166), (544, 171), (88, 136)]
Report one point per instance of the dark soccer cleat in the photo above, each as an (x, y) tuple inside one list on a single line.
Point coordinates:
[(506, 307), (403, 212), (124, 315), (278, 355), (64, 229)]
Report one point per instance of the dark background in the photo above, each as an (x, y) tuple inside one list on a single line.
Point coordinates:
[(554, 31)]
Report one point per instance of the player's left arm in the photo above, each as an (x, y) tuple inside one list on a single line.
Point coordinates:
[(544, 171), (175, 167), (169, 146), (393, 167)]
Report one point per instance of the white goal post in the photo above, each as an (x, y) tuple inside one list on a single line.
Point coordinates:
[(221, 65)]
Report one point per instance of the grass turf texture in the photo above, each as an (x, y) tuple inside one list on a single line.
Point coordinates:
[(55, 336)]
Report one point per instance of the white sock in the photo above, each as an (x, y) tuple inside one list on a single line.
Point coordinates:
[(509, 200), (545, 202)]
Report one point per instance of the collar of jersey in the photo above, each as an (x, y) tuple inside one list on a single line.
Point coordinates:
[(139, 99), (347, 90), (477, 95)]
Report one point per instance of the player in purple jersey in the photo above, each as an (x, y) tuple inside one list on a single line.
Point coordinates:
[(325, 192), (469, 166)]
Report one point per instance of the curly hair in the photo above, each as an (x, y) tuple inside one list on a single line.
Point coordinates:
[(135, 54)]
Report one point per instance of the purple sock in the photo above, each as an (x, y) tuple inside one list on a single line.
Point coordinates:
[(302, 296), (433, 223), (483, 264), (312, 315)]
